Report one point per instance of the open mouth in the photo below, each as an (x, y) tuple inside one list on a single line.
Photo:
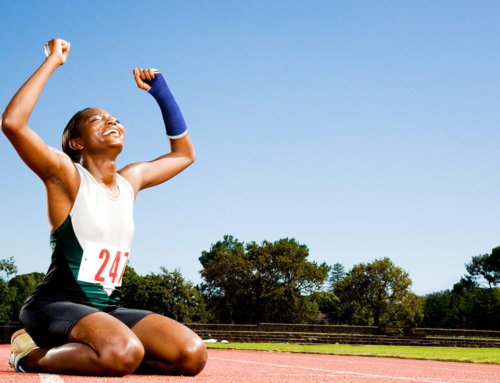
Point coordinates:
[(111, 131)]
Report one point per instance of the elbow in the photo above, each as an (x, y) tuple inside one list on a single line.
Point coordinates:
[(192, 158), (8, 124)]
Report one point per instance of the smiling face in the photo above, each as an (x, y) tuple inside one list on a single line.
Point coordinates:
[(98, 132)]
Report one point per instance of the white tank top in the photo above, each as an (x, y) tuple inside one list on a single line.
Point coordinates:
[(98, 217), (90, 249)]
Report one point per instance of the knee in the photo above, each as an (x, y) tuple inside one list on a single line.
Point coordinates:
[(122, 358), (193, 358)]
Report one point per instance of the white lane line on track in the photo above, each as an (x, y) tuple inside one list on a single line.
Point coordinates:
[(50, 378), (399, 364), (427, 380), (466, 371), (332, 375), (252, 352)]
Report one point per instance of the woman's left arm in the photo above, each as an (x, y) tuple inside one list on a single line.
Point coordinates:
[(143, 175)]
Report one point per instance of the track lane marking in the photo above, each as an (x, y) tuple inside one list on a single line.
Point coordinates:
[(251, 352), (398, 364), (324, 375), (428, 380), (50, 378)]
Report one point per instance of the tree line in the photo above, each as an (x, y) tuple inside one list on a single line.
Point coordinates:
[(249, 283)]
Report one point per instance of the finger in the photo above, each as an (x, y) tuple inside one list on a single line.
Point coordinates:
[(56, 43), (137, 79), (137, 73), (139, 82), (141, 72), (146, 73), (151, 73)]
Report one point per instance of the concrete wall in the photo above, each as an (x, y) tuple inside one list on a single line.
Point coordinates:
[(332, 329), (284, 327), (462, 333)]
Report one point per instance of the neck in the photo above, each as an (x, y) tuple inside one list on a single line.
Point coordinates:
[(103, 169)]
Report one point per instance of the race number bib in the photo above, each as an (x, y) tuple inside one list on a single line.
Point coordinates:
[(103, 264)]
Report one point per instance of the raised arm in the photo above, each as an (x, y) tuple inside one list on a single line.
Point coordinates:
[(45, 161), (143, 175)]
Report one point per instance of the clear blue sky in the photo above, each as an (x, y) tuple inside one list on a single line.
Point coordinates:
[(362, 129)]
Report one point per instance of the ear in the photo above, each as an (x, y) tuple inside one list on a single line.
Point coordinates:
[(76, 144)]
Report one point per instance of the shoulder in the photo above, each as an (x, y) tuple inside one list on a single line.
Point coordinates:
[(67, 171), (133, 173)]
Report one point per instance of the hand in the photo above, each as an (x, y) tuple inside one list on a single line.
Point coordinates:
[(59, 50), (144, 74)]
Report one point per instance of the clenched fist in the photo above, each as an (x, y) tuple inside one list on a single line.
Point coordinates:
[(57, 49), (144, 74)]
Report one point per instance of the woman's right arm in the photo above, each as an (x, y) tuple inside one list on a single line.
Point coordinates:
[(45, 161)]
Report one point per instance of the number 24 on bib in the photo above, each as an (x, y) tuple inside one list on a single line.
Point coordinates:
[(103, 264)]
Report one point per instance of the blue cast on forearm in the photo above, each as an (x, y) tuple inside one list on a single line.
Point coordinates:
[(172, 116)]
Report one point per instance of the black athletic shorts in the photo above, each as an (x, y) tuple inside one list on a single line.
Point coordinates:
[(49, 323)]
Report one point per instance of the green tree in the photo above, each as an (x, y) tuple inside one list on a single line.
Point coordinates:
[(329, 305), (166, 293), (8, 268), (379, 293), (337, 273), (228, 244), (467, 309), (436, 309), (20, 287), (252, 283), (483, 271)]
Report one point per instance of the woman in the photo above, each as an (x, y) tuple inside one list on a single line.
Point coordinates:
[(72, 321)]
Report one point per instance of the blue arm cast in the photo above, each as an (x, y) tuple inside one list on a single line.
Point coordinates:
[(172, 116)]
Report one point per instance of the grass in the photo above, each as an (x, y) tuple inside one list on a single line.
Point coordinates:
[(455, 354)]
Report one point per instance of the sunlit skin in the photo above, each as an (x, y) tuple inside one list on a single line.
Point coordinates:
[(97, 142), (100, 344)]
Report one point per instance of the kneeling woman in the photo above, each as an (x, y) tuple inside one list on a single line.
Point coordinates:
[(72, 321)]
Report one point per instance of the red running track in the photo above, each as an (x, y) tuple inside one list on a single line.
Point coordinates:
[(255, 366)]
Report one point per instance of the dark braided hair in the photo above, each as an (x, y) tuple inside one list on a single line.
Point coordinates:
[(71, 132)]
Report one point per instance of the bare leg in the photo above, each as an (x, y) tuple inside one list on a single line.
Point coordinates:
[(171, 348), (99, 345)]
